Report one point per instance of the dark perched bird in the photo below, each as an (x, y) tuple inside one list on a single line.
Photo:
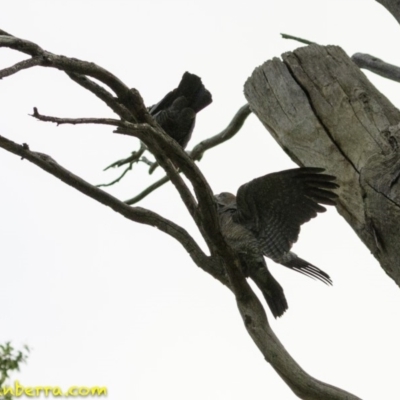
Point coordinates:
[(264, 219), (176, 112)]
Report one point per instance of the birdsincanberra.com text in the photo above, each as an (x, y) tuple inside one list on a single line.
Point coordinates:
[(19, 390)]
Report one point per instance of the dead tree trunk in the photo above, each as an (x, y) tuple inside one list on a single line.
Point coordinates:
[(324, 112)]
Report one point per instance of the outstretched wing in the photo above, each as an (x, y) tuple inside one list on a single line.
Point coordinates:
[(274, 206)]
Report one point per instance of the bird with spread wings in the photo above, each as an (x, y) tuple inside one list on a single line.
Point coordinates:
[(264, 219)]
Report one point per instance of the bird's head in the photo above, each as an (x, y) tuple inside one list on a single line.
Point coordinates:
[(225, 201)]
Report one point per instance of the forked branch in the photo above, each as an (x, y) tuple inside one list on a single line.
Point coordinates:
[(198, 151), (251, 310), (223, 264)]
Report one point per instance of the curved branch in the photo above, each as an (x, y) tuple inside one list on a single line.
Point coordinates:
[(146, 133), (377, 66), (252, 312), (137, 130), (134, 157), (5, 33), (103, 95), (393, 6), (31, 62), (124, 172), (167, 151), (148, 190), (197, 152), (130, 98), (234, 126), (164, 148), (64, 63), (302, 384), (136, 214), (153, 166)]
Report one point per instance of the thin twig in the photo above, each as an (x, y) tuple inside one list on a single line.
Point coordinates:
[(147, 134), (126, 170), (147, 161), (75, 121), (173, 174), (153, 167), (197, 152), (305, 41), (148, 190), (234, 126), (134, 157), (130, 98)]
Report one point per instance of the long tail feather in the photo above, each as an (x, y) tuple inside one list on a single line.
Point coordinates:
[(304, 267)]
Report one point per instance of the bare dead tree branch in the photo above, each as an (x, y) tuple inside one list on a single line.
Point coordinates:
[(134, 157), (148, 190), (377, 66), (173, 174), (5, 33), (234, 126), (198, 151), (147, 161), (160, 144), (130, 98), (153, 167), (305, 41), (75, 121), (136, 214), (99, 121), (31, 62), (302, 384), (251, 310), (124, 172), (170, 156), (145, 133), (103, 95), (133, 130), (393, 6)]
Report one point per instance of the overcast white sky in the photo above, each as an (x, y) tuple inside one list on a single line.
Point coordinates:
[(102, 301)]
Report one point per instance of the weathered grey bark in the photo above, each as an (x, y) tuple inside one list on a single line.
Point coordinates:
[(377, 66), (324, 112)]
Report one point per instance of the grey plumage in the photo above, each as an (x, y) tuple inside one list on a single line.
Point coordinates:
[(264, 219), (176, 112)]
